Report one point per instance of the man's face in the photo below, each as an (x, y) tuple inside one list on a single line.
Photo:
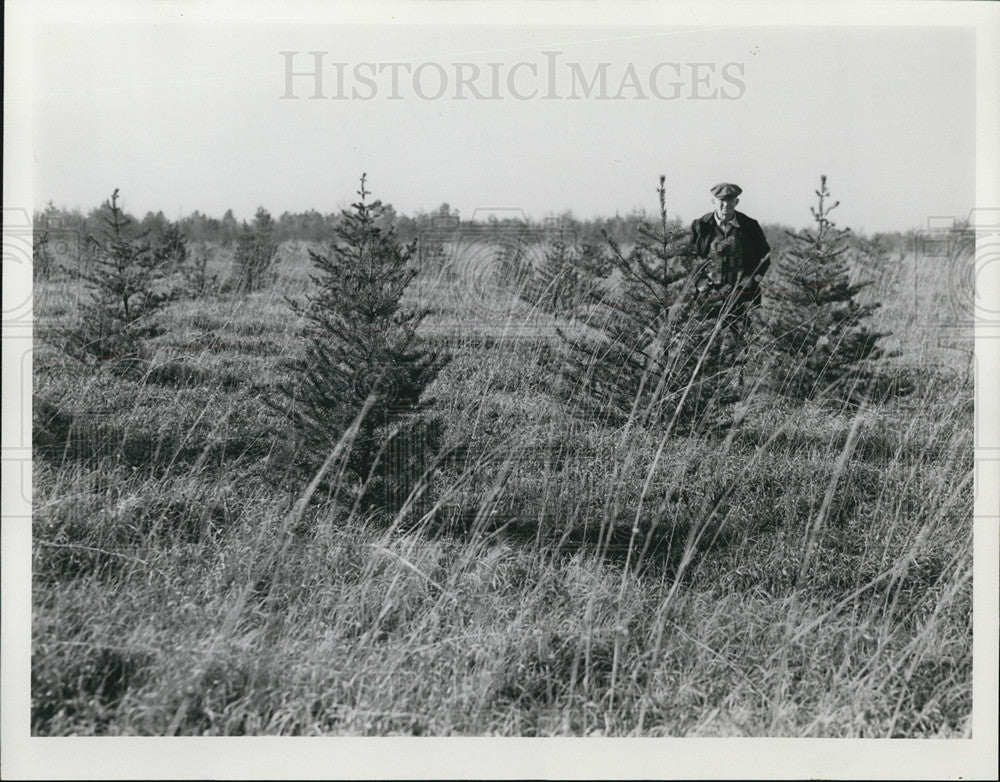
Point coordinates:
[(725, 207)]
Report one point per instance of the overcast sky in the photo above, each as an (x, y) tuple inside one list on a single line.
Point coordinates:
[(191, 116)]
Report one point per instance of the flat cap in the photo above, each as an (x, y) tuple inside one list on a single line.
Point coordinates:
[(726, 190)]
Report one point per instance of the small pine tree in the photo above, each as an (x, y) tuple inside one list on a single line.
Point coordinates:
[(121, 281), (359, 341), (256, 251), (567, 277), (649, 354), (171, 247), (197, 278), (817, 327), (593, 262), (555, 286)]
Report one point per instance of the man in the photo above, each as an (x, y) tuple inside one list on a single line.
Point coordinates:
[(735, 249)]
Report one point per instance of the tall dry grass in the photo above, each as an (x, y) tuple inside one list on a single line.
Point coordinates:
[(806, 572)]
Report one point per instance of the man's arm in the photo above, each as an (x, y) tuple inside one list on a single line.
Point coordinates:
[(696, 237), (762, 251), (701, 275)]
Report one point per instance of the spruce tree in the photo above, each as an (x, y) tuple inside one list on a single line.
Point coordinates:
[(648, 352), (567, 277), (361, 341), (256, 251), (171, 247), (593, 262), (122, 298), (555, 285), (818, 329), (198, 280)]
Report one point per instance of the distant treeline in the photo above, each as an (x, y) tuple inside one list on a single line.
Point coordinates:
[(312, 226)]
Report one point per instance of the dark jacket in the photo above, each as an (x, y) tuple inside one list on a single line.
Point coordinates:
[(743, 257)]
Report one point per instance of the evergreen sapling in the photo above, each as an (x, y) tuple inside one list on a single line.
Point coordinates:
[(819, 331), (648, 352), (171, 247), (255, 254), (121, 279), (556, 284), (360, 341)]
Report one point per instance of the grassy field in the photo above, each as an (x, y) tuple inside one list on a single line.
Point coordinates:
[(805, 573)]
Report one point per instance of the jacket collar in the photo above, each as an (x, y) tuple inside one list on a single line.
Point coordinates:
[(739, 219), (735, 221)]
